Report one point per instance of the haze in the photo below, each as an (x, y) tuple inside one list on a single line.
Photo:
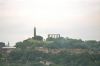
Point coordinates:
[(70, 18)]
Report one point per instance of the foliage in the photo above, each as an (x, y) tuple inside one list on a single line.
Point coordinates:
[(26, 55)]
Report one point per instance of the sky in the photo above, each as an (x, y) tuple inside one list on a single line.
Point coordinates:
[(78, 19)]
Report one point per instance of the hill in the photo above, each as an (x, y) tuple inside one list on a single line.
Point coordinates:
[(54, 52)]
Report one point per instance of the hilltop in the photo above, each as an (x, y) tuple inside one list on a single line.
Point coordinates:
[(55, 52)]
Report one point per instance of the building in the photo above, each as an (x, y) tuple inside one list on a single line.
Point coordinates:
[(7, 49), (53, 35), (36, 37), (2, 44)]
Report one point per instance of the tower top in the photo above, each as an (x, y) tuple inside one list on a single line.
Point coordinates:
[(8, 44), (34, 27)]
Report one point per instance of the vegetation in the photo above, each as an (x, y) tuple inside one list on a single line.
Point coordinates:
[(61, 52)]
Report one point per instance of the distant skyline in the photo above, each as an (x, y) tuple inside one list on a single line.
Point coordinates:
[(79, 19)]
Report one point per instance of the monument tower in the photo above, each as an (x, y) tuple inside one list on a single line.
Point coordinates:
[(34, 31), (37, 37)]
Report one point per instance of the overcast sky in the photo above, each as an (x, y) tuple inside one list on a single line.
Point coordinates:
[(70, 18)]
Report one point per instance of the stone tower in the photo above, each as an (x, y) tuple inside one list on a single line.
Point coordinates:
[(34, 31)]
